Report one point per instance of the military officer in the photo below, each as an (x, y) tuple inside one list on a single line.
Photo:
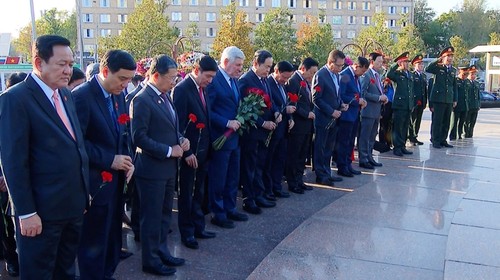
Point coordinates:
[(460, 111), (419, 98), (443, 97), (473, 101), (402, 103)]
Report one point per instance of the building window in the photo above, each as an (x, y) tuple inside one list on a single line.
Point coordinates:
[(322, 18), (259, 3), (366, 20), (405, 10), (88, 33), (276, 3), (211, 17), (243, 3), (176, 2), (392, 23), (307, 4), (351, 34), (121, 3), (366, 6), (104, 3), (194, 17), (88, 48), (351, 5), (337, 5), (404, 24), (105, 32), (392, 10), (337, 20), (210, 32), (88, 18), (292, 3), (176, 16), (293, 18), (259, 17), (105, 18), (337, 34), (321, 4), (352, 20), (87, 3), (307, 18), (193, 2), (122, 18), (210, 2), (226, 2), (137, 2)]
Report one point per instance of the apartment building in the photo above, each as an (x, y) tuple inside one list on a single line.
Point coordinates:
[(107, 17)]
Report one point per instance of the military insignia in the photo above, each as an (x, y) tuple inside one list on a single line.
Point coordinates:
[(159, 101)]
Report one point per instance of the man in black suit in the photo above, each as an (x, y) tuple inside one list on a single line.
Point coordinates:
[(155, 133), (299, 138), (253, 142), (44, 163), (99, 104), (327, 107), (189, 98), (276, 155)]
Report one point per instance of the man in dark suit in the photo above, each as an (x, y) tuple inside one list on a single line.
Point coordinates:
[(327, 108), (253, 142), (44, 163), (419, 98), (299, 139), (372, 91), (224, 170), (349, 120), (99, 103), (276, 155), (155, 133), (473, 102), (189, 98), (443, 96)]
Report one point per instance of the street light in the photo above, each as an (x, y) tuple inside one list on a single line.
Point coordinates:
[(97, 36)]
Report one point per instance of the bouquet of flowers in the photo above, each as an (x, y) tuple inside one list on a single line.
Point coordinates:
[(249, 109), (143, 66), (187, 60)]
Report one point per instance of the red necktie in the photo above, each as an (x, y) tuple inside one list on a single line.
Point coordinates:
[(60, 112), (202, 99)]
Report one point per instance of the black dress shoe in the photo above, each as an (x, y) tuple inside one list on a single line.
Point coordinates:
[(376, 164), (397, 152), (406, 152), (345, 173), (436, 146), (222, 223), (190, 242), (306, 187), (281, 194), (264, 203), (172, 261), (324, 182), (252, 208), (296, 190), (366, 165), (335, 179), (419, 143), (270, 197), (125, 254), (354, 171), (446, 145), (206, 234), (12, 269), (237, 216), (160, 270)]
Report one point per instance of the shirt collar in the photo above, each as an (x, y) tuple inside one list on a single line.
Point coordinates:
[(154, 88), (226, 76), (300, 75), (45, 88), (104, 92), (194, 81)]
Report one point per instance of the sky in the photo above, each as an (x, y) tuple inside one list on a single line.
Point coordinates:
[(16, 13)]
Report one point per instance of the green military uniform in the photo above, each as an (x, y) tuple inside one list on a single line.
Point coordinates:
[(441, 99), (460, 111), (474, 103), (402, 104), (420, 101)]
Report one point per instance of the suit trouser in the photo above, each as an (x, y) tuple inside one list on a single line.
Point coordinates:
[(458, 124), (470, 122), (190, 199), (99, 252), (50, 255), (416, 119), (253, 159), (385, 130), (324, 144), (366, 140), (440, 122), (345, 142), (298, 149), (401, 121), (7, 233), (135, 219), (157, 198), (223, 182), (275, 164)]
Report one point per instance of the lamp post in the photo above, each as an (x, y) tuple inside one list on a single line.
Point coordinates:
[(97, 36), (33, 23)]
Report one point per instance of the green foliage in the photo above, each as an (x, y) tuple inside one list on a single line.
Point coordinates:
[(378, 32), (315, 40), (276, 35), (193, 43), (408, 39), (423, 15), (494, 38), (461, 57)]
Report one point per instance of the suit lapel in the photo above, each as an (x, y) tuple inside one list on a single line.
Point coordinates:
[(196, 95), (223, 83), (101, 103), (160, 105)]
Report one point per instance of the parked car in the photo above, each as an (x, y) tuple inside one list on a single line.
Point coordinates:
[(488, 100)]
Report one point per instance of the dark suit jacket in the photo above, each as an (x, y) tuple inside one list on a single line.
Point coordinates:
[(420, 88), (102, 140), (303, 125), (45, 169), (279, 103), (246, 82), (223, 108), (132, 94), (348, 89), (326, 100), (187, 101), (444, 89), (153, 132)]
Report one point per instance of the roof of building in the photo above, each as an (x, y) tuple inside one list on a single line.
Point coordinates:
[(485, 49)]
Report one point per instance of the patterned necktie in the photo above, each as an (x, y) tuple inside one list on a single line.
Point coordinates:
[(235, 89), (263, 81), (379, 84), (112, 113), (167, 105), (202, 99), (62, 115)]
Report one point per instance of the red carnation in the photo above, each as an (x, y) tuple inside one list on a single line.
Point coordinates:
[(123, 118), (303, 84), (356, 96), (106, 177), (419, 103), (294, 98), (372, 81), (317, 88), (267, 100), (192, 118), (200, 126)]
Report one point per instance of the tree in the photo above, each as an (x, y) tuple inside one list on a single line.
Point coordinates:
[(461, 57), (472, 23), (276, 35), (379, 33), (233, 30), (439, 33), (494, 38), (315, 40), (408, 38), (423, 15), (192, 33)]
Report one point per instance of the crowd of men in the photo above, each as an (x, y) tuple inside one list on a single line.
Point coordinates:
[(68, 157)]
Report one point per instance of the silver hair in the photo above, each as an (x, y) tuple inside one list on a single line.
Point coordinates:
[(92, 69), (231, 53)]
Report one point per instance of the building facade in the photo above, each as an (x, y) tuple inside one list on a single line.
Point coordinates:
[(107, 17)]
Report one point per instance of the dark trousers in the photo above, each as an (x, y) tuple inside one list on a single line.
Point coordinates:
[(190, 200), (401, 121), (470, 122), (7, 233), (457, 129), (275, 164), (324, 143), (297, 152), (366, 140), (345, 142), (50, 255), (440, 122), (100, 246), (223, 182), (253, 160), (135, 204), (385, 130), (415, 120), (157, 198)]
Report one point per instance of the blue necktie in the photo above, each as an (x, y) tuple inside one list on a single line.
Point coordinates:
[(235, 90), (112, 113)]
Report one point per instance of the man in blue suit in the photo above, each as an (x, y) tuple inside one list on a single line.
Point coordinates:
[(99, 103), (224, 170), (327, 108), (45, 163)]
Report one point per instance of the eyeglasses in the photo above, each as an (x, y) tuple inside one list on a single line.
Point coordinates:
[(339, 65)]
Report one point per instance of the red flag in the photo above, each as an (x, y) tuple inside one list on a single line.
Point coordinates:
[(12, 60)]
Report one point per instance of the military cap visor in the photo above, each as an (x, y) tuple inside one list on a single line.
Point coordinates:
[(447, 51), (402, 57), (417, 59)]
